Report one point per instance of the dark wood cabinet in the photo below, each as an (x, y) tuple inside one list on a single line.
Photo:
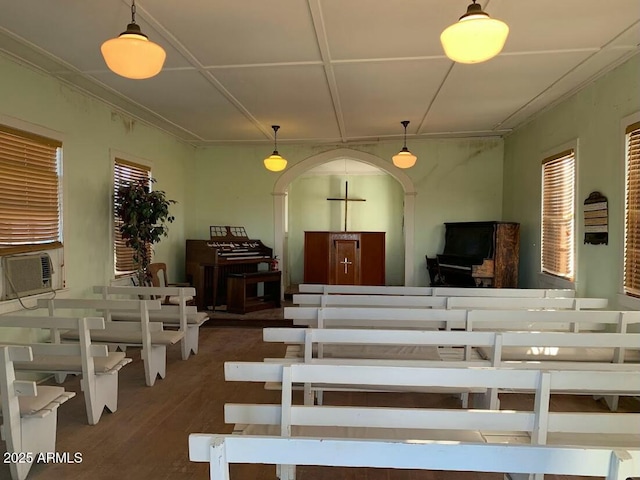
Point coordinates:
[(344, 258)]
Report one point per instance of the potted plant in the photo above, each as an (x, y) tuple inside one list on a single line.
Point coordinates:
[(144, 214)]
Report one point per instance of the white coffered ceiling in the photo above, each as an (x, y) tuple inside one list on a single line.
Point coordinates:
[(334, 71)]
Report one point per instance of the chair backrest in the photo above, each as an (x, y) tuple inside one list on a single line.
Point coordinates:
[(158, 274)]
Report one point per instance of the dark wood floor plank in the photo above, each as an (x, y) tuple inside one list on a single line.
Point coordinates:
[(146, 439)]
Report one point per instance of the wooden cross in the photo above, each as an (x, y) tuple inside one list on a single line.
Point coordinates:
[(346, 264), (346, 201)]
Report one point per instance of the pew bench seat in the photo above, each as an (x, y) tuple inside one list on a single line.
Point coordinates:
[(167, 319), (473, 436), (129, 338), (45, 402), (73, 364)]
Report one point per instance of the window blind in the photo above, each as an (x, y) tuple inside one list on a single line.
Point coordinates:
[(125, 172), (29, 191), (558, 200), (632, 213)]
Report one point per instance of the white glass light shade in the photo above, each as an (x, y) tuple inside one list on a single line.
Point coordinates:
[(132, 55), (275, 162), (404, 159), (474, 39)]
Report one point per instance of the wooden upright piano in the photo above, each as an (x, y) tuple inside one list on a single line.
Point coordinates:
[(209, 262), (478, 254)]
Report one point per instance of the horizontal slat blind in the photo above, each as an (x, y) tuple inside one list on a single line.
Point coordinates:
[(632, 213), (124, 173), (558, 200), (29, 191)]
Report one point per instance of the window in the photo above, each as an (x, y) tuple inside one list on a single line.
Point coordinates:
[(30, 199), (558, 207), (632, 212), (124, 172)]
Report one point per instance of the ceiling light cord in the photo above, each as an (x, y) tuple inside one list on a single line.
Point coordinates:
[(275, 138), (405, 123), (133, 11)]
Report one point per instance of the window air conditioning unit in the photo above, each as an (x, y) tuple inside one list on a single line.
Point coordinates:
[(26, 275)]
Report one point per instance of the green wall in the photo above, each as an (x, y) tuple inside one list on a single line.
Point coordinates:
[(455, 180), (592, 116), (91, 132), (380, 212)]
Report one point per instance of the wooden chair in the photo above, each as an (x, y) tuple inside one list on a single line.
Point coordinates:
[(158, 273)]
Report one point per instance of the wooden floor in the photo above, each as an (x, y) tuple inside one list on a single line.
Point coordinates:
[(146, 439)]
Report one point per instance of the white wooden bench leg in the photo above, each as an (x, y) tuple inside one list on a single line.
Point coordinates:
[(155, 363), (218, 466), (100, 392), (612, 401), (19, 471), (622, 466), (464, 399), (190, 341), (60, 377), (287, 472), (486, 401), (308, 394), (38, 435)]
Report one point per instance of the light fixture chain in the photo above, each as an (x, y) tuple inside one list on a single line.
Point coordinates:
[(133, 11)]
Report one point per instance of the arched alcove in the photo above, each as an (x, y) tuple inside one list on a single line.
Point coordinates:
[(283, 182)]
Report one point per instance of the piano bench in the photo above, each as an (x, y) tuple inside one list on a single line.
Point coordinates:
[(243, 292)]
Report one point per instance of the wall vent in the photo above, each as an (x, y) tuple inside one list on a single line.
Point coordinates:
[(26, 275)]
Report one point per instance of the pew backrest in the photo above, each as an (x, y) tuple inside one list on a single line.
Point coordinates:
[(436, 291), (537, 423), (424, 318), (185, 317), (221, 450), (407, 301)]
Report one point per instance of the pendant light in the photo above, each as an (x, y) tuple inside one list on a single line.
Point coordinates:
[(132, 54), (475, 38), (275, 162), (404, 158)]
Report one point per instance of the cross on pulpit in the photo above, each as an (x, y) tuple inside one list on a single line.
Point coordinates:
[(346, 201), (346, 264)]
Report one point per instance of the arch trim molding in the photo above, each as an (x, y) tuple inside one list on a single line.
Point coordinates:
[(282, 184)]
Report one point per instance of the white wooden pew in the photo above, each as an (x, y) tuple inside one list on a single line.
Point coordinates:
[(406, 301), (222, 450), (150, 336), (185, 318), (99, 367), (539, 426), (405, 348), (437, 291), (29, 413), (425, 318)]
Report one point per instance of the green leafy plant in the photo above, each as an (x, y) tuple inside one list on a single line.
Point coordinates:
[(144, 214)]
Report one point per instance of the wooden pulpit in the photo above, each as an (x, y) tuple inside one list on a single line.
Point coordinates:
[(344, 258)]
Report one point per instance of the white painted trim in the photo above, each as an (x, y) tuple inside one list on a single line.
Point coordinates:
[(549, 281), (282, 184), (113, 154), (9, 306), (625, 300), (546, 280)]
